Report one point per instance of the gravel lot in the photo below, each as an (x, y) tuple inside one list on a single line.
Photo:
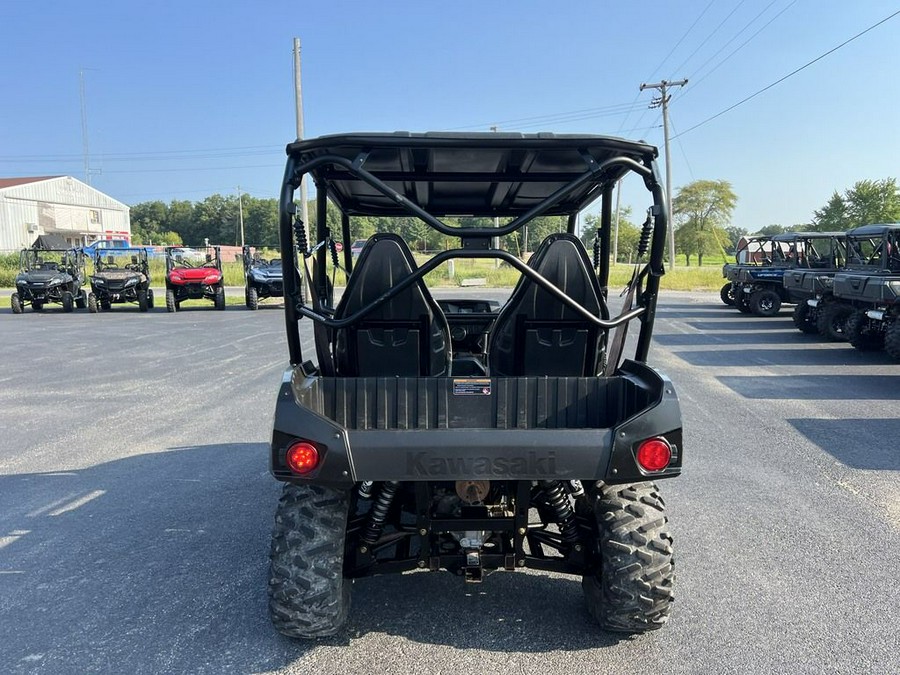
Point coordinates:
[(135, 509)]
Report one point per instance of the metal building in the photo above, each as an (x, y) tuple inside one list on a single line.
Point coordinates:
[(58, 205)]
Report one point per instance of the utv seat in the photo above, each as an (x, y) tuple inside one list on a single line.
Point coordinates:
[(406, 336), (535, 333)]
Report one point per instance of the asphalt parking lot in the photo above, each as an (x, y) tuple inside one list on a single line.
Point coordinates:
[(136, 506)]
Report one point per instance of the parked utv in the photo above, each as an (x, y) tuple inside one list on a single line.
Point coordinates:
[(49, 275), (537, 447), (749, 251), (194, 274), (759, 289), (262, 277), (120, 275), (870, 286), (810, 287)]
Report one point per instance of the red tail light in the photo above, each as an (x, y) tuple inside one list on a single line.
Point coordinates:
[(302, 457), (654, 454)]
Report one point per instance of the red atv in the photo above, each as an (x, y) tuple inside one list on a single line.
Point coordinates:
[(194, 274)]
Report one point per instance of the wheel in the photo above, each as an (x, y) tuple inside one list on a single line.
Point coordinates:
[(81, 299), (727, 294), (142, 301), (892, 340), (93, 307), (832, 321), (308, 595), (150, 298), (252, 298), (860, 335), (220, 297), (632, 590), (171, 305), (803, 318), (16, 303), (68, 301), (37, 305), (765, 303)]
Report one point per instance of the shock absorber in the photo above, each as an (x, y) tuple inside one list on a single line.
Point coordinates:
[(379, 512), (646, 231), (597, 249), (300, 234), (562, 510)]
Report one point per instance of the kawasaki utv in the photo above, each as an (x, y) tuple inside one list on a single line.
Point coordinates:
[(120, 275), (809, 285), (262, 277), (194, 274), (870, 288), (759, 288), (49, 275), (405, 444), (749, 251)]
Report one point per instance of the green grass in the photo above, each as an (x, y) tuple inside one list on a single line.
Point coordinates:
[(682, 278)]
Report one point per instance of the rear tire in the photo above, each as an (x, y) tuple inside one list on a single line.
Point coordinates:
[(727, 294), (68, 301), (150, 298), (16, 303), (802, 320), (142, 301), (252, 298), (832, 322), (892, 340), (308, 595), (859, 335), (220, 298), (632, 591), (93, 307), (765, 303), (170, 301)]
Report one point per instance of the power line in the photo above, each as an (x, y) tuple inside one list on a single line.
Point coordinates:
[(739, 47), (791, 74)]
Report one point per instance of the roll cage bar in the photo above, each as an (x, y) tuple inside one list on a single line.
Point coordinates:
[(337, 165)]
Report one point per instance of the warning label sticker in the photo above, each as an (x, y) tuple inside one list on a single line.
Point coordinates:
[(472, 387)]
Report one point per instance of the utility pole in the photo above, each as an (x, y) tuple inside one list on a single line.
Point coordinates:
[(304, 207), (663, 101), (241, 213)]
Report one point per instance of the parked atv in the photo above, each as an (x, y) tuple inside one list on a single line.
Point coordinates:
[(49, 275), (870, 287), (759, 289), (194, 274), (538, 447), (749, 251), (120, 275), (262, 278)]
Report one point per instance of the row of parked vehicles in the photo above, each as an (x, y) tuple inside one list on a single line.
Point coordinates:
[(844, 286), (122, 275)]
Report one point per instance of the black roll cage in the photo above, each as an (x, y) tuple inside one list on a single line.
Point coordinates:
[(475, 242)]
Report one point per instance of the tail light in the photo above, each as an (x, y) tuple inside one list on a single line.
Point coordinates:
[(654, 454), (302, 457)]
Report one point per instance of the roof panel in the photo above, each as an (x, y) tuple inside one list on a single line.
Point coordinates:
[(471, 174)]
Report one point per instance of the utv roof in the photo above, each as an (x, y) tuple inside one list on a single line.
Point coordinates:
[(480, 174), (873, 230), (791, 236)]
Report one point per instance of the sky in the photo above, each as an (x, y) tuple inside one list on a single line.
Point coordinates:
[(187, 98)]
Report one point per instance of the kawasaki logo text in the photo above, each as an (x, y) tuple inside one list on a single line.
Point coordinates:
[(421, 464)]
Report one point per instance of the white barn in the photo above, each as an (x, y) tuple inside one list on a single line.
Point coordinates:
[(58, 205)]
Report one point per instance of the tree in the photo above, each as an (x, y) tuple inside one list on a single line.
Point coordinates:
[(701, 210), (771, 230), (868, 201), (734, 236)]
